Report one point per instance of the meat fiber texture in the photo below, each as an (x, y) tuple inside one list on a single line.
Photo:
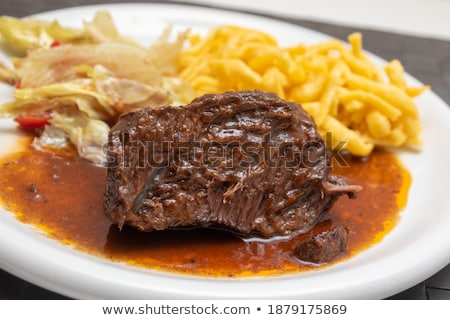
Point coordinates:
[(247, 161), (322, 247)]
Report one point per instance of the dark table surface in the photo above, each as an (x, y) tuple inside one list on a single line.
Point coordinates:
[(424, 58)]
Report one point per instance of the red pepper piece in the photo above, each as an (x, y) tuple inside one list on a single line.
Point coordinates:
[(56, 43), (32, 122)]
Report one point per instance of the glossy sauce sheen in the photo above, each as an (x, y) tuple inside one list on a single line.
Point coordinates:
[(64, 197)]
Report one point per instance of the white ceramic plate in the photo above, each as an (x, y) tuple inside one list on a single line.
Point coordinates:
[(417, 247)]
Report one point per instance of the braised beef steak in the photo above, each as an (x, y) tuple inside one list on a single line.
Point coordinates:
[(248, 161), (322, 247)]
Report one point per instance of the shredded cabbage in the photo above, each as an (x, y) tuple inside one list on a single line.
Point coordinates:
[(165, 53), (22, 35), (85, 81), (72, 126), (102, 96), (7, 74), (103, 29), (58, 64)]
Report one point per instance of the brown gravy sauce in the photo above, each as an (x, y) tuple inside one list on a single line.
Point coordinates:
[(63, 196)]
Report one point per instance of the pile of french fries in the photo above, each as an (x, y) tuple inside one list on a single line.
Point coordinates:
[(337, 84)]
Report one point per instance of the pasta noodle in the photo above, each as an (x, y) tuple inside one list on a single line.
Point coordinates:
[(338, 84)]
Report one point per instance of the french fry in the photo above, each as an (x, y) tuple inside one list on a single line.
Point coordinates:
[(395, 72), (378, 124), (347, 96), (356, 143), (274, 80), (236, 71), (338, 85), (416, 91), (391, 94), (327, 103), (355, 40)]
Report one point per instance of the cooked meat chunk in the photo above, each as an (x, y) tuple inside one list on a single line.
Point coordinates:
[(247, 161), (323, 247)]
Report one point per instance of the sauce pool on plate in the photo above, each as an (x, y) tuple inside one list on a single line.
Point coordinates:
[(63, 196)]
